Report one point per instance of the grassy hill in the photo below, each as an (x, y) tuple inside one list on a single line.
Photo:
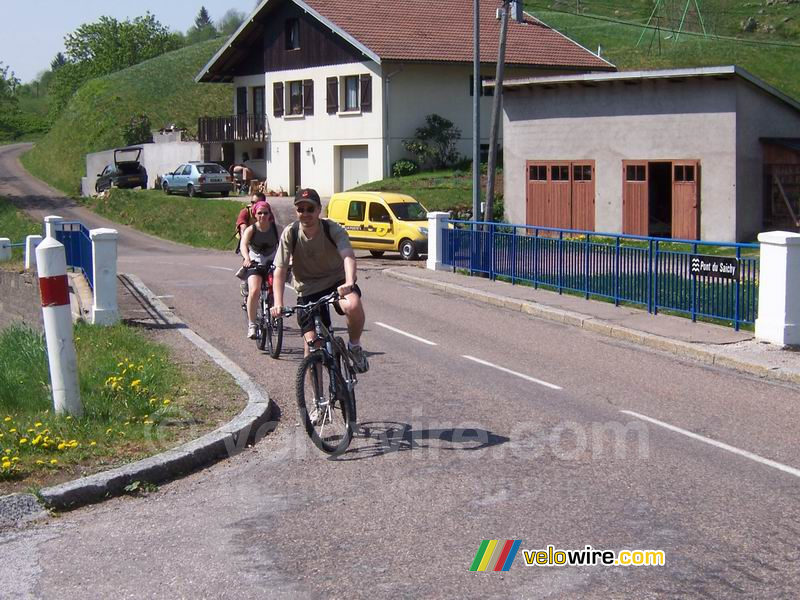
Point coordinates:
[(769, 51), (163, 88)]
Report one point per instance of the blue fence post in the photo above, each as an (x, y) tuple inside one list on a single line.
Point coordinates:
[(586, 267), (737, 288), (513, 255), (535, 258), (617, 260), (560, 260), (693, 287), (492, 250), (650, 276), (656, 267)]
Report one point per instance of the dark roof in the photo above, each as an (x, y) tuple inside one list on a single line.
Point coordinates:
[(424, 31)]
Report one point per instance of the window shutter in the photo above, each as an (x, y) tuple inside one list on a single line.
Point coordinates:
[(277, 99), (333, 94), (366, 92), (308, 96)]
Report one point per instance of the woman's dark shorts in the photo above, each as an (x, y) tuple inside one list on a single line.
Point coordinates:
[(307, 324)]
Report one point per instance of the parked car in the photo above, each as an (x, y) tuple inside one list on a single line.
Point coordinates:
[(382, 221), (125, 172), (195, 178)]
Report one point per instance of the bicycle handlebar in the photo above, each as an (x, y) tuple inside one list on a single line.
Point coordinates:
[(288, 311)]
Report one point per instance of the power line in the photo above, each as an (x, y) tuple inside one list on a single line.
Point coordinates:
[(674, 31)]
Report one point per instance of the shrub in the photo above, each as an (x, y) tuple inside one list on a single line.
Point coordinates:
[(137, 130), (435, 142), (404, 167)]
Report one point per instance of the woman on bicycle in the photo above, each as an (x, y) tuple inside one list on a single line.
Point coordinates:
[(258, 247)]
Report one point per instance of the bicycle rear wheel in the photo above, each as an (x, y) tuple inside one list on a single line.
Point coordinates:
[(324, 404), (344, 367)]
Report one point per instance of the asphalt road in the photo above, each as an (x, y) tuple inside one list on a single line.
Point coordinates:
[(485, 425)]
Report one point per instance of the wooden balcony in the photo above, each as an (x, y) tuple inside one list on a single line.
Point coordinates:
[(236, 128)]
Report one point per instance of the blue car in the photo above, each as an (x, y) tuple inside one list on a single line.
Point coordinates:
[(195, 178)]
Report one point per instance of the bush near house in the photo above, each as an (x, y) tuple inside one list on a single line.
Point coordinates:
[(162, 89)]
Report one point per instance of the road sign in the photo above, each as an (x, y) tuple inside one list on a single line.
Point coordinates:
[(714, 266)]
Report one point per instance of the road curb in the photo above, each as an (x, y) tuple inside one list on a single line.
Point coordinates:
[(252, 424), (595, 325)]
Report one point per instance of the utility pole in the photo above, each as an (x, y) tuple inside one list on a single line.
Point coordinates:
[(496, 104), (476, 113)]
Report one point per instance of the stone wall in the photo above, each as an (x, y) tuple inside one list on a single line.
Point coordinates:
[(20, 299)]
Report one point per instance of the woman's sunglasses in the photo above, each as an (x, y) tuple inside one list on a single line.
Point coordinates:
[(263, 213)]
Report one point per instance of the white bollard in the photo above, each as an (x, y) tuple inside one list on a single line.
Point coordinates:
[(436, 222), (104, 271), (51, 261), (31, 242), (5, 249), (51, 225), (778, 319)]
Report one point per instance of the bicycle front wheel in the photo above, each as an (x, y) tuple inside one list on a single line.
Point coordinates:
[(262, 319), (324, 404), (275, 334)]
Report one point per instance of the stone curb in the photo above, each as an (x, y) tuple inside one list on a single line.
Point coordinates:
[(595, 325), (252, 424)]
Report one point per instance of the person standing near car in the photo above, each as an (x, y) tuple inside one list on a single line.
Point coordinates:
[(322, 260), (258, 247)]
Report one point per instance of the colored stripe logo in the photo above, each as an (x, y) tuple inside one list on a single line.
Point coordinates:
[(495, 555)]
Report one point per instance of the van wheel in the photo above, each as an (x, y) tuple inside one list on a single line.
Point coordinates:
[(376, 253), (407, 250)]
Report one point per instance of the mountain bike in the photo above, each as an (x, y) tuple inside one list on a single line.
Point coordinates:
[(269, 330), (325, 383)]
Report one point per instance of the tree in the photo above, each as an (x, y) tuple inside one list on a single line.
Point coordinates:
[(435, 142), (230, 22), (8, 104), (58, 61), (202, 30), (202, 19)]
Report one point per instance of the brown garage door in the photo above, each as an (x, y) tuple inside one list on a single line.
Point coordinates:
[(635, 213), (560, 194), (685, 213)]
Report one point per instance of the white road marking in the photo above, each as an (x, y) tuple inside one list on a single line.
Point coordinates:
[(220, 268), (166, 296), (552, 386), (405, 333), (721, 445)]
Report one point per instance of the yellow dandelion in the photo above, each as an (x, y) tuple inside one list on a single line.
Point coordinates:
[(69, 417), (148, 422), (61, 446), (119, 364), (12, 430), (39, 462), (31, 430), (23, 441), (7, 419), (1, 434), (35, 441), (109, 430), (15, 459), (37, 424), (136, 383), (166, 401), (53, 461), (153, 401), (93, 443), (6, 464)]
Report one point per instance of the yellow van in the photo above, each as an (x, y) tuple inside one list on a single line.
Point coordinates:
[(382, 221)]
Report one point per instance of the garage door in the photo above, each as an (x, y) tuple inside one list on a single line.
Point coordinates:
[(354, 166)]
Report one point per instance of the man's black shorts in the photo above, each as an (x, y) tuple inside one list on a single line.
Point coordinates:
[(307, 324)]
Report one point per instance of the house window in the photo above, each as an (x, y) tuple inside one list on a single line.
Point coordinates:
[(351, 92), (295, 98), (559, 173), (292, 34), (635, 173), (356, 210), (684, 173), (581, 172), (537, 173), (483, 91)]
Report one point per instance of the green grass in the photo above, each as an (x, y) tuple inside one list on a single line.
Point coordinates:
[(163, 88), (600, 23), (16, 225), (200, 222), (128, 385)]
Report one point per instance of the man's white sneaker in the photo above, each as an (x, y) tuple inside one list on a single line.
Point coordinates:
[(251, 331), (313, 416)]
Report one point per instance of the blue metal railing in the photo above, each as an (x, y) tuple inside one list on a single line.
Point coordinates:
[(651, 272), (78, 246)]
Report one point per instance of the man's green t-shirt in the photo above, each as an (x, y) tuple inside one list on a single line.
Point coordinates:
[(317, 265)]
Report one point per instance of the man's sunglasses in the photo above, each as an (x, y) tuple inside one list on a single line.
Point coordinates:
[(307, 209)]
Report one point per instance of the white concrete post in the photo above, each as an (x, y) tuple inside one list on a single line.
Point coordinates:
[(778, 319), (51, 225), (104, 270), (31, 242), (51, 261), (5, 249), (436, 222)]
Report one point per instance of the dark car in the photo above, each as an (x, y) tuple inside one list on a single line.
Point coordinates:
[(194, 178), (125, 172)]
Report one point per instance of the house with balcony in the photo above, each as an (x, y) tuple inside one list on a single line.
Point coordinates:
[(326, 91)]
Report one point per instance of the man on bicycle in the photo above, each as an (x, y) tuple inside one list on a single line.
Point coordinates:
[(322, 260)]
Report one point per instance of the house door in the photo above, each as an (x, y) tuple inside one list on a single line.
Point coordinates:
[(560, 195), (583, 196), (635, 213), (294, 167), (354, 167), (685, 199)]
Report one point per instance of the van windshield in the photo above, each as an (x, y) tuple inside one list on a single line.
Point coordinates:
[(409, 211)]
